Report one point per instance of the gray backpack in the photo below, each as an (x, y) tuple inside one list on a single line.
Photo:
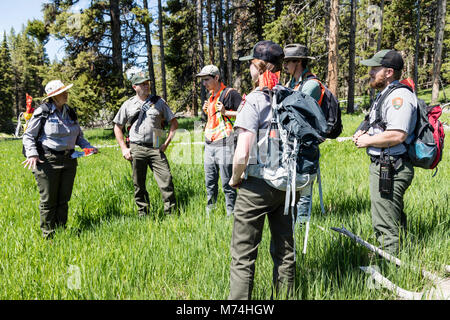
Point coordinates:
[(296, 130)]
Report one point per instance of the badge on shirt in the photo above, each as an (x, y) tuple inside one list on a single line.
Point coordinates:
[(397, 103)]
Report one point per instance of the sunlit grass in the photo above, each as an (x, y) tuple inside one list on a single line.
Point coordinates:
[(186, 256)]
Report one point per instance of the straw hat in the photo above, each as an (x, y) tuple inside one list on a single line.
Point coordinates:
[(55, 87)]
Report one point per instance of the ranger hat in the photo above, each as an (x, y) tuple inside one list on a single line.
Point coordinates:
[(296, 51), (386, 58), (138, 78), (55, 87), (209, 70), (267, 51)]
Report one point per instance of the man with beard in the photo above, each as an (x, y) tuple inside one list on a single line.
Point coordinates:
[(391, 172)]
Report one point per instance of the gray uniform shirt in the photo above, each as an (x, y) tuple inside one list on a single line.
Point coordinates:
[(399, 112), (254, 115), (59, 133), (150, 130)]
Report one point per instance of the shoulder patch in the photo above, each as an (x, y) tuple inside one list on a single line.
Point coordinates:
[(397, 103)]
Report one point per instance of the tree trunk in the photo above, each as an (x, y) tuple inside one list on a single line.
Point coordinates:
[(200, 54), (333, 48), (259, 13), (219, 17), (278, 8), (116, 41), (210, 32), (438, 44), (148, 41), (416, 49), (351, 67), (229, 38), (161, 49), (327, 6), (379, 38)]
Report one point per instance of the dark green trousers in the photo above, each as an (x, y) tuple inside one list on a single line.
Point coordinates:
[(256, 200), (143, 158), (55, 178), (388, 218)]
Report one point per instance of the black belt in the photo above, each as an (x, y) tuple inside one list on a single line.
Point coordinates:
[(142, 144), (62, 152)]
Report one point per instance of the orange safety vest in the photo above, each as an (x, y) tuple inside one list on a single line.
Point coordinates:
[(218, 127)]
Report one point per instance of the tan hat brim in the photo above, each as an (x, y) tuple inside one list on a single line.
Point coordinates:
[(59, 91)]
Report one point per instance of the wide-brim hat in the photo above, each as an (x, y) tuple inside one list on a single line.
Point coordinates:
[(208, 70), (56, 87), (386, 58), (267, 51), (296, 51)]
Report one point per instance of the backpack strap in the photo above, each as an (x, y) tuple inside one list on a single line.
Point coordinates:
[(43, 118), (378, 117), (312, 76), (140, 115)]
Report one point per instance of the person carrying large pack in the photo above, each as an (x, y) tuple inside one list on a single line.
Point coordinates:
[(275, 157)]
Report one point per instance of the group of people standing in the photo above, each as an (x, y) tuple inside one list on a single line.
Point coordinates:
[(231, 136)]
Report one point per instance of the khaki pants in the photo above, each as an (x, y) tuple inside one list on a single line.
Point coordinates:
[(55, 178), (256, 200), (143, 158), (388, 217)]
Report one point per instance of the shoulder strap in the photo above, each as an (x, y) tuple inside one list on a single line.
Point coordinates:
[(140, 115), (72, 113), (378, 117), (43, 117)]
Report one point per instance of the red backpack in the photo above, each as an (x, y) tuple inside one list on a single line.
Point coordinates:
[(425, 150)]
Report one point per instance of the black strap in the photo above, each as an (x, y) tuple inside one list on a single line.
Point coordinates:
[(140, 116), (44, 116), (379, 102)]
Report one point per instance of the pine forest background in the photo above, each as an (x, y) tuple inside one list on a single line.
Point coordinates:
[(173, 39)]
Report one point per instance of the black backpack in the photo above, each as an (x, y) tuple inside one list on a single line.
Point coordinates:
[(330, 107), (45, 107)]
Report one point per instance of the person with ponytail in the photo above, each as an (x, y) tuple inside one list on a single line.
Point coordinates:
[(256, 199)]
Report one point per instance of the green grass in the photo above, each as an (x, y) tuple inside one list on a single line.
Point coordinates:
[(186, 256)]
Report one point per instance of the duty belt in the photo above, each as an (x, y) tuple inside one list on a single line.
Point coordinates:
[(396, 161), (56, 152)]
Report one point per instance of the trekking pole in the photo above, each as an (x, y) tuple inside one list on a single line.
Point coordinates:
[(306, 237), (308, 218), (319, 181)]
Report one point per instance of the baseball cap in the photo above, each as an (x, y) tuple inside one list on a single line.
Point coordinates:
[(138, 78), (267, 51), (386, 58), (209, 70)]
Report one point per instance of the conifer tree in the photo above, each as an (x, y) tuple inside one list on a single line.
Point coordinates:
[(6, 88)]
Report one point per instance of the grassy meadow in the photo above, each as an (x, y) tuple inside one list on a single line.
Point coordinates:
[(107, 252)]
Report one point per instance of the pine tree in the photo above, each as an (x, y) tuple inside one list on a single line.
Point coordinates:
[(6, 88)]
